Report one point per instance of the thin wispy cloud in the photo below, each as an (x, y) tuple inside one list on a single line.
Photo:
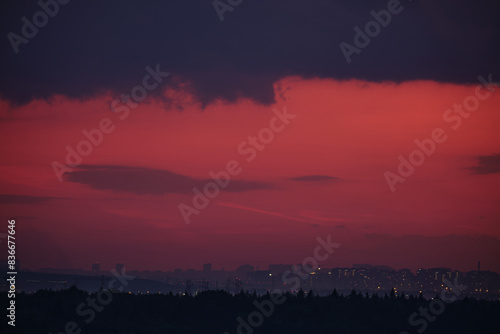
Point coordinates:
[(24, 199), (314, 178), (316, 216), (269, 213)]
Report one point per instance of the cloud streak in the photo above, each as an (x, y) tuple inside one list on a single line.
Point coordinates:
[(147, 181), (487, 164), (314, 178), (24, 199), (269, 213)]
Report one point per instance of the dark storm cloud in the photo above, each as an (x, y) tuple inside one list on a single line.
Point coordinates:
[(93, 46), (145, 181), (23, 199), (487, 164), (314, 178)]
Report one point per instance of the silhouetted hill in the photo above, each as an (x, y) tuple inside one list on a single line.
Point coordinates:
[(33, 281)]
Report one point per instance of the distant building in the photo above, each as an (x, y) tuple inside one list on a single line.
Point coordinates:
[(242, 271), (207, 267), (481, 282), (96, 267), (279, 269), (120, 267), (260, 277), (432, 279)]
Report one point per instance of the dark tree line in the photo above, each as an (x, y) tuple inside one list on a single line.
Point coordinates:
[(76, 311)]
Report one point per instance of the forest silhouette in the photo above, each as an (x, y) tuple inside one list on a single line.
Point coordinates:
[(217, 311)]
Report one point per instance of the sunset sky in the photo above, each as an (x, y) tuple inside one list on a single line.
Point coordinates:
[(323, 173)]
